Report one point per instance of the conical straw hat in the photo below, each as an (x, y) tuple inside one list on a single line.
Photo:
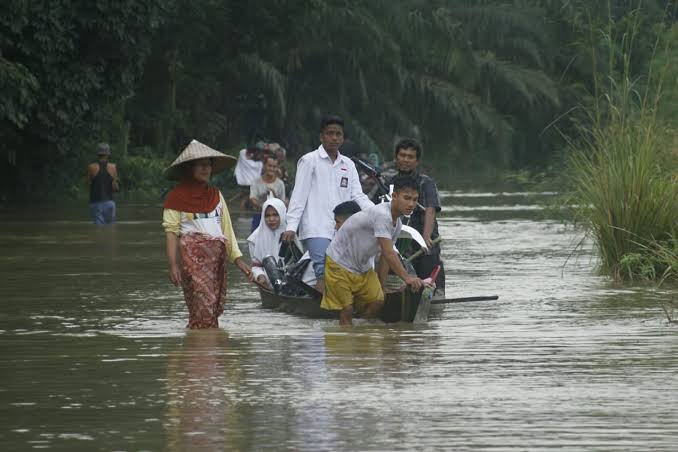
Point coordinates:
[(195, 151)]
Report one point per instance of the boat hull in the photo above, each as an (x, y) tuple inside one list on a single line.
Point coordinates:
[(401, 306)]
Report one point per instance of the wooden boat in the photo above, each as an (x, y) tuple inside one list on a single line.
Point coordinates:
[(401, 306)]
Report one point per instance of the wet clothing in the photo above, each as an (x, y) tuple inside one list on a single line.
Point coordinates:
[(344, 288), (204, 278), (102, 206), (356, 244), (101, 186), (316, 248), (206, 240), (102, 212)]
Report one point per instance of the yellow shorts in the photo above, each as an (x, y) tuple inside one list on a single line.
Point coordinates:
[(344, 288)]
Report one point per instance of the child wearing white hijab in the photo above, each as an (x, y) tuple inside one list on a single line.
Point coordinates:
[(265, 241)]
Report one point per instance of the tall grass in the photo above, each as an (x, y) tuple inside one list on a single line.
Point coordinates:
[(627, 202)]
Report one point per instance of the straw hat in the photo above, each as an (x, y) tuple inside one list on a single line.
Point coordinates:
[(195, 151)]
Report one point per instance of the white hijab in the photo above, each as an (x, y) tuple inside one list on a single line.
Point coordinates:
[(265, 241)]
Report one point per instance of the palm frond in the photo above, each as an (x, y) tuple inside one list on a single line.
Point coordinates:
[(269, 76)]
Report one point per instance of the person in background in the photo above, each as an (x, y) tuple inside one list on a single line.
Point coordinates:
[(247, 170), (324, 179), (265, 240), (102, 180), (283, 172), (408, 154), (350, 279), (198, 227), (269, 185), (343, 212)]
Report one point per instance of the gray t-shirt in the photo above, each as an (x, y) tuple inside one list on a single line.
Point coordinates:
[(355, 245), (259, 190)]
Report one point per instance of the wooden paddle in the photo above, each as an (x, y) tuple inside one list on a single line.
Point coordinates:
[(465, 299)]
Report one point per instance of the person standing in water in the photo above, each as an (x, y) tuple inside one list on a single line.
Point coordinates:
[(198, 227), (102, 180), (351, 282)]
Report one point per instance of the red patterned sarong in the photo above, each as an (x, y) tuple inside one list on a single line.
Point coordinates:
[(204, 278)]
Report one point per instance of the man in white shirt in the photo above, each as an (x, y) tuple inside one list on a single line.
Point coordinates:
[(324, 179), (350, 279), (248, 169)]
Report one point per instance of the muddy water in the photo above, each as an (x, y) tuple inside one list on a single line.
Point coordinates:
[(95, 355)]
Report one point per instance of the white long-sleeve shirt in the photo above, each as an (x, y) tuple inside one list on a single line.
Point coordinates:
[(247, 170), (319, 186)]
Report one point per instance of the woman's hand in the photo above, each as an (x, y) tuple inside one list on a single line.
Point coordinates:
[(245, 269), (175, 274)]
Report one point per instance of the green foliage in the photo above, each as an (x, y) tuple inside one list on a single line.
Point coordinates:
[(627, 201), (638, 266), (480, 83), (142, 177), (64, 65)]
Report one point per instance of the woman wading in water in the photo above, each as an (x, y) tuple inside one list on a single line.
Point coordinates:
[(197, 223)]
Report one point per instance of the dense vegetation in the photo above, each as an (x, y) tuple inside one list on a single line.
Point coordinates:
[(485, 84), (624, 165)]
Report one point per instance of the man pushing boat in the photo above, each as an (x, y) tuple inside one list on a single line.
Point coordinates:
[(351, 282)]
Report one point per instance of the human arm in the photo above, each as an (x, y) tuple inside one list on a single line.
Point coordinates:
[(382, 272), (227, 229), (255, 202), (255, 193), (172, 247), (431, 203), (302, 188), (281, 192), (429, 222), (391, 258), (113, 171), (171, 222), (234, 253)]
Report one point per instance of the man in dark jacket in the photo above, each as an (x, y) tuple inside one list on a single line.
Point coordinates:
[(408, 153)]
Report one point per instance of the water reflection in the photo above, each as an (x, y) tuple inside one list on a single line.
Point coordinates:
[(200, 375), (97, 358)]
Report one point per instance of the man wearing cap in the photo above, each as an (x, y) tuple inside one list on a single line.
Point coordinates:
[(324, 179), (102, 179)]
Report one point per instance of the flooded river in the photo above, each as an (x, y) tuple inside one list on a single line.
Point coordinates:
[(95, 355)]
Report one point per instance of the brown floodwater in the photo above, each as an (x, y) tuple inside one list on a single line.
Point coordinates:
[(95, 355)]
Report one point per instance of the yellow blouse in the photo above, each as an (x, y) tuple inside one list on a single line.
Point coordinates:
[(172, 222)]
